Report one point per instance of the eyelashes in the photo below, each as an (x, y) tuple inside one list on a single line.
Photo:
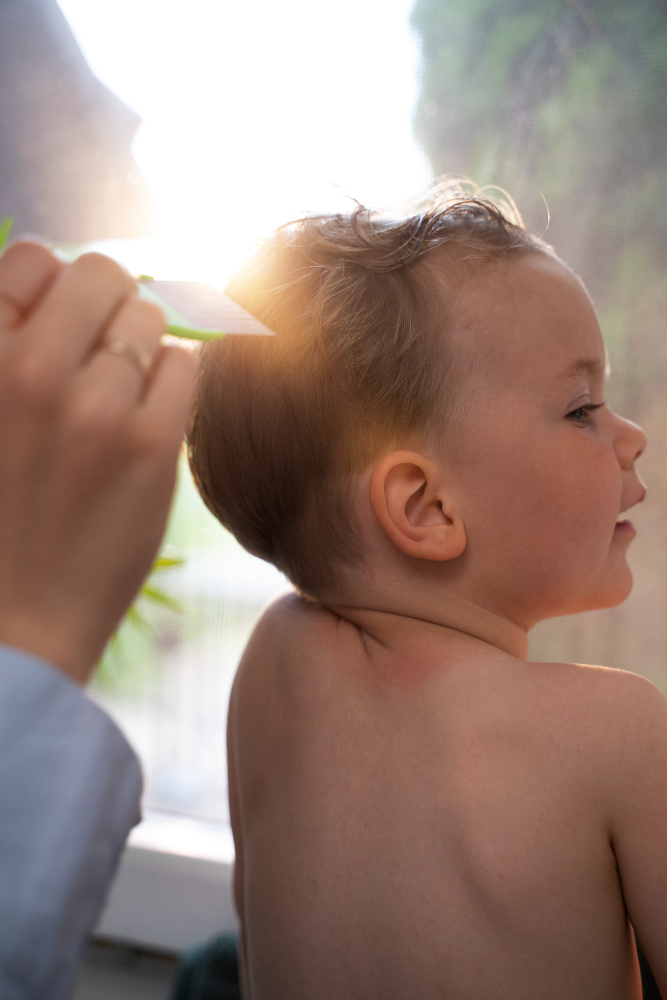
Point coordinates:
[(582, 413)]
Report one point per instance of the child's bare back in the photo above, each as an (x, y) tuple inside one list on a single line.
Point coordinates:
[(425, 450), (422, 816)]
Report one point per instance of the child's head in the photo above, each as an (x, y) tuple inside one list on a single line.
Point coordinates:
[(426, 358)]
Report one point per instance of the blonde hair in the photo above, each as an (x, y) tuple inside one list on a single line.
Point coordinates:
[(361, 357)]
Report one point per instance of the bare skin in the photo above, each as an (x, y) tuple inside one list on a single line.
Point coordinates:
[(419, 812)]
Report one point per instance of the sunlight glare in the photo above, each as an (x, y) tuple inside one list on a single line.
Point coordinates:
[(254, 113)]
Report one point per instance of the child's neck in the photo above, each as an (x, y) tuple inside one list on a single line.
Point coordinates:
[(376, 605)]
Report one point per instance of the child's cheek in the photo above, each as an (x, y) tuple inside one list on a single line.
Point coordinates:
[(596, 485), (585, 497), (559, 510), (557, 487)]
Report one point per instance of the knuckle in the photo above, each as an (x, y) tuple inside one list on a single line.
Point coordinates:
[(28, 379), (93, 419), (97, 266), (185, 362), (83, 419), (28, 254), (152, 440), (188, 359), (143, 439), (147, 315)]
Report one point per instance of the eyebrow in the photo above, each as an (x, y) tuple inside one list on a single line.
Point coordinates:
[(592, 367)]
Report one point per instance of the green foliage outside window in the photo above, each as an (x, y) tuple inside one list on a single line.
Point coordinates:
[(566, 99)]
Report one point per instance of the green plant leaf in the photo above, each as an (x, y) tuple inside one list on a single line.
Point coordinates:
[(158, 596), (116, 661), (135, 617), (166, 562), (5, 230)]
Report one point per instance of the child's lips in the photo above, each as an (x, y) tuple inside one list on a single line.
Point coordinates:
[(625, 527)]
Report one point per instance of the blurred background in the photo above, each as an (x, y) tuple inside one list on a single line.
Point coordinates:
[(175, 135)]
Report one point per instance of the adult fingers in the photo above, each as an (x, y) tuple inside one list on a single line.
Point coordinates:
[(121, 367), (165, 409), (72, 316), (26, 271)]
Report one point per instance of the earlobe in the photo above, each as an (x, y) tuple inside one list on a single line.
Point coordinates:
[(410, 503)]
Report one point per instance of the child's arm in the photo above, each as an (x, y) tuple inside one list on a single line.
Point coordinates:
[(639, 817)]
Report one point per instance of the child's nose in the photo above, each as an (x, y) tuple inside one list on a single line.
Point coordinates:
[(630, 442)]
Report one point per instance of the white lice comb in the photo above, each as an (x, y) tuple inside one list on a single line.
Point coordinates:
[(198, 311)]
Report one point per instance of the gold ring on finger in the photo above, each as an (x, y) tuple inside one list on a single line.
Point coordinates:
[(143, 360)]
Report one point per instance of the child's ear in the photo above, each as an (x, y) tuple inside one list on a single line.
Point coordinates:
[(409, 499)]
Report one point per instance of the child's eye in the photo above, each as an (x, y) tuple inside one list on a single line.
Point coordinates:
[(582, 413)]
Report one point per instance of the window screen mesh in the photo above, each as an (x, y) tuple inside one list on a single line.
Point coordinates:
[(167, 681)]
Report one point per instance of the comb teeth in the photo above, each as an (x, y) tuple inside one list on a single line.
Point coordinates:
[(197, 306)]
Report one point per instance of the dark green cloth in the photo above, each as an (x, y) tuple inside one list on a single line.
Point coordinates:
[(210, 971), (650, 989)]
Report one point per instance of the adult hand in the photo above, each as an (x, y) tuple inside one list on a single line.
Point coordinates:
[(92, 415)]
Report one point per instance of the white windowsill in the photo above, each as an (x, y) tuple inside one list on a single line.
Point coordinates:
[(184, 835), (173, 887)]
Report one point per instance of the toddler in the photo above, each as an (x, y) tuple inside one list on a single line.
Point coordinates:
[(424, 449)]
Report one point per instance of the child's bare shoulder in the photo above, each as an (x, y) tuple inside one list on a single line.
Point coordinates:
[(621, 716), (636, 711), (297, 641), (619, 692), (292, 624)]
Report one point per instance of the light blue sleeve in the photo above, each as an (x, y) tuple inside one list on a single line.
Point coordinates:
[(69, 795)]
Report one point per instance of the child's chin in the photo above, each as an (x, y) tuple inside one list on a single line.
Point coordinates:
[(608, 595), (613, 593)]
